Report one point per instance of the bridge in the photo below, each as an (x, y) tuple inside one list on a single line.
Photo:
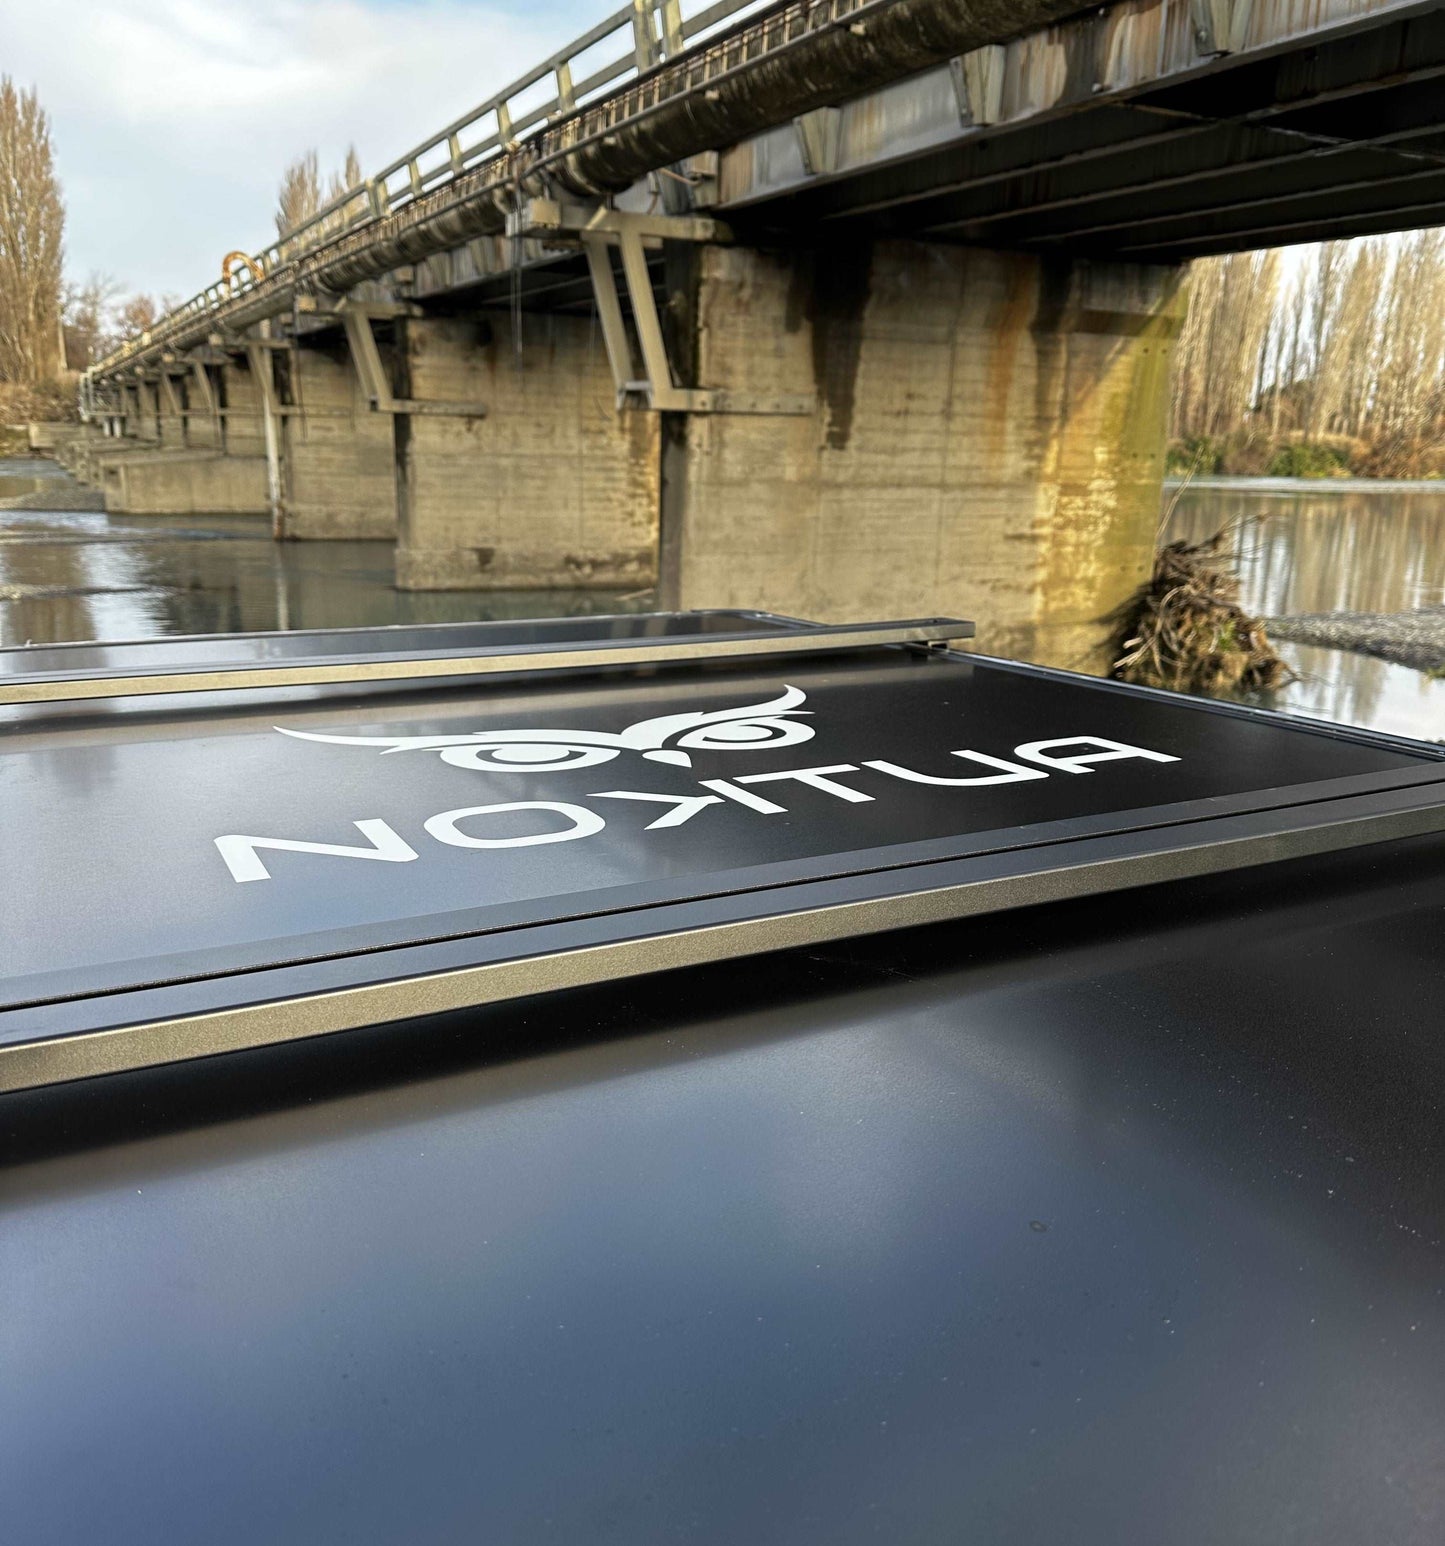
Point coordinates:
[(835, 307)]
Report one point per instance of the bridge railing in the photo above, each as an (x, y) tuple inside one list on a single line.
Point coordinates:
[(657, 30)]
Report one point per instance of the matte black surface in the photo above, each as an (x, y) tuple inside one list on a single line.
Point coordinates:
[(1105, 1222)]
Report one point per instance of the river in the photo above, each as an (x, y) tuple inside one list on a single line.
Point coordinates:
[(1299, 547), (1332, 546), (80, 574)]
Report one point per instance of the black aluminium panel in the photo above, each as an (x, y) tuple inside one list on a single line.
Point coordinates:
[(181, 884), (1120, 1219)]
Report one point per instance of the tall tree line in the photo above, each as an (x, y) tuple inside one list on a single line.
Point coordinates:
[(1348, 340), (303, 193), (49, 325), (32, 225)]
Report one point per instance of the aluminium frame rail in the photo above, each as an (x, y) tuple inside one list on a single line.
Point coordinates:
[(214, 1000), (66, 686), (307, 999)]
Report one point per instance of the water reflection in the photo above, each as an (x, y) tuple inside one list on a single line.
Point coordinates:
[(67, 576), (1327, 548)]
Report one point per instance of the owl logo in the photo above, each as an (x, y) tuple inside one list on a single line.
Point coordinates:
[(669, 738)]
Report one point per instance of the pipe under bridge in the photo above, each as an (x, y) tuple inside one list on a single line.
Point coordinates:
[(835, 307)]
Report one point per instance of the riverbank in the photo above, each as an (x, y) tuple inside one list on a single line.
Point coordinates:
[(1308, 488), (1351, 556), (1321, 458), (36, 483), (1415, 639)]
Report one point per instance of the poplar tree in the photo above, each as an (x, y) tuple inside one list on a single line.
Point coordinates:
[(1353, 345), (303, 194), (32, 223)]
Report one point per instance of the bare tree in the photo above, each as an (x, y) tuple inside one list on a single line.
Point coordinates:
[(1218, 379), (1352, 347), (32, 222), (1406, 402), (137, 314), (303, 193), (90, 325), (349, 176), (300, 194)]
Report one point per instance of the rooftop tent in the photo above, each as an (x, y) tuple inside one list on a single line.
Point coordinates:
[(227, 842)]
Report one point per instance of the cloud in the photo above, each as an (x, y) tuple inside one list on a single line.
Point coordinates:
[(173, 119)]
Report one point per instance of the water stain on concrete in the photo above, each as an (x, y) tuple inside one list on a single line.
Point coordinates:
[(837, 300)]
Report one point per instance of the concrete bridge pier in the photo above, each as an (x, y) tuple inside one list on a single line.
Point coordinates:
[(193, 386), (548, 485), (171, 411), (988, 441), (210, 463), (337, 463), (146, 423)]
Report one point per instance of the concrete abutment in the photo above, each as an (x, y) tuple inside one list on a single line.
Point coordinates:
[(986, 440)]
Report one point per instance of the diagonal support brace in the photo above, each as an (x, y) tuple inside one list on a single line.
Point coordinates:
[(650, 379), (370, 371)]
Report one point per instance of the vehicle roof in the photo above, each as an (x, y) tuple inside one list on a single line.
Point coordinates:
[(1113, 1219)]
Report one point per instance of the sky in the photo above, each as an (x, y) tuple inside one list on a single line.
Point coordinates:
[(173, 119)]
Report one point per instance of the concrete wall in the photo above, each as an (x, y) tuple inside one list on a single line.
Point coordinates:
[(171, 415), (989, 440), (145, 424), (554, 487), (165, 482), (203, 423), (244, 432), (46, 435), (82, 455), (338, 461)]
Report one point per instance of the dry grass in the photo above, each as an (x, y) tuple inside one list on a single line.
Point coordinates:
[(1186, 630), (49, 401)]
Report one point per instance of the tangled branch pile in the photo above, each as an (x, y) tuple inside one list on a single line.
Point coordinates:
[(1186, 630)]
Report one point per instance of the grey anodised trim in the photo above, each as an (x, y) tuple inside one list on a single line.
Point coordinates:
[(60, 1059), (57, 687), (1224, 708), (359, 633)]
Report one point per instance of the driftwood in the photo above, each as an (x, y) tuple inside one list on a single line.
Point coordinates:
[(1186, 630)]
